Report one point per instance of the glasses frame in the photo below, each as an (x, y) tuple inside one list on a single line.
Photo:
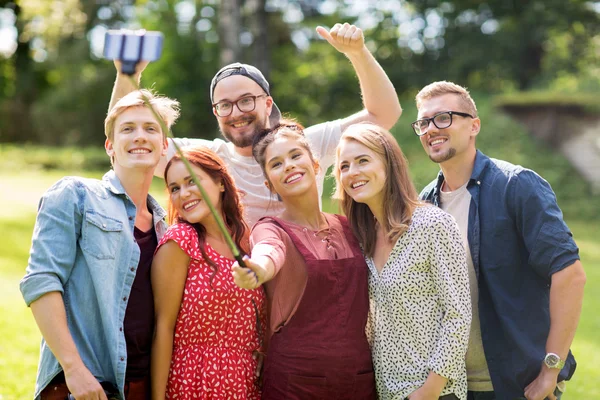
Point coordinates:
[(235, 103), (432, 119)]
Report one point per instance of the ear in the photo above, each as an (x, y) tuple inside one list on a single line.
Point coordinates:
[(317, 167), (215, 112), (108, 146), (222, 187), (269, 105), (269, 186), (475, 127), (165, 147)]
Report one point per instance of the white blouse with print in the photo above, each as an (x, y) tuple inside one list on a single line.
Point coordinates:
[(420, 308)]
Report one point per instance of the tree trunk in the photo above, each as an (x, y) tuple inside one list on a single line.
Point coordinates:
[(229, 30), (17, 108), (258, 22)]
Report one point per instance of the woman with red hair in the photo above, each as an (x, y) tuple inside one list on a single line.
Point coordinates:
[(206, 327)]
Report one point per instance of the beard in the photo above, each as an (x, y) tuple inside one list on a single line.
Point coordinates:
[(440, 158), (246, 139)]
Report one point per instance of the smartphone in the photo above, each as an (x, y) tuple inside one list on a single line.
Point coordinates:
[(133, 46)]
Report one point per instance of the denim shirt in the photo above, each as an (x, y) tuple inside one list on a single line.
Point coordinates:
[(518, 239), (83, 247)]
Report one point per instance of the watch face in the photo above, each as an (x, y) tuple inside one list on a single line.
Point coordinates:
[(552, 360)]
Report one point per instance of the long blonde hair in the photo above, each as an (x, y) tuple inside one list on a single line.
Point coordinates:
[(400, 196)]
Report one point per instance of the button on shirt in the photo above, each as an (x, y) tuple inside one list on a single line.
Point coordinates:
[(83, 247), (421, 308), (518, 239)]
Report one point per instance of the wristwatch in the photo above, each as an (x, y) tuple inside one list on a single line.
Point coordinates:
[(553, 361)]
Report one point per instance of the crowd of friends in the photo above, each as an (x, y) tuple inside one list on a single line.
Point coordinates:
[(471, 289)]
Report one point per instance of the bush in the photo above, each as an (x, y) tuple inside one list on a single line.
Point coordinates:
[(68, 159)]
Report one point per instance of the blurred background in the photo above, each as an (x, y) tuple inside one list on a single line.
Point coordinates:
[(533, 68)]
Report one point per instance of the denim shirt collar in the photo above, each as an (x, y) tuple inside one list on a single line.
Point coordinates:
[(113, 183)]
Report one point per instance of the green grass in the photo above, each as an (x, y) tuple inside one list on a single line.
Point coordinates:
[(19, 336), (28, 171), (586, 347), (19, 344)]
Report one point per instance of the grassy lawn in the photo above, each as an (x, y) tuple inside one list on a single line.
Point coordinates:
[(19, 336), (19, 344), (25, 176)]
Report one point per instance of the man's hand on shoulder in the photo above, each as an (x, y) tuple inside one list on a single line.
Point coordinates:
[(346, 38)]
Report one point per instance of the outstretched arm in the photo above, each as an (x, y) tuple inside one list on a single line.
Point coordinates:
[(123, 84), (382, 106), (268, 256)]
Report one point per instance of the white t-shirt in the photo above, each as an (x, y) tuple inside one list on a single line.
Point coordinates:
[(457, 204), (248, 176)]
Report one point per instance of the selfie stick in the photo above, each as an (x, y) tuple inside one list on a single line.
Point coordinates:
[(236, 252)]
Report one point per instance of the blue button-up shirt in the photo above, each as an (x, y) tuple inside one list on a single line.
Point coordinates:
[(518, 239), (83, 247)]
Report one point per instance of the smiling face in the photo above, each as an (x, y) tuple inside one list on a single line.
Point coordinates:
[(362, 173), (137, 141), (289, 168), (185, 195), (457, 142), (239, 127)]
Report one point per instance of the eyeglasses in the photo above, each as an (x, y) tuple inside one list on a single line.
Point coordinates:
[(440, 120), (244, 104)]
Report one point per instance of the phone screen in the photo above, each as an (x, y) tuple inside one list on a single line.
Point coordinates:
[(124, 45)]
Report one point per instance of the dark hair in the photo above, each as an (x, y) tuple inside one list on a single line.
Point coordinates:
[(286, 128), (232, 209)]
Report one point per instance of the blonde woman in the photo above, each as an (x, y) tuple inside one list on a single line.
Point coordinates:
[(418, 282)]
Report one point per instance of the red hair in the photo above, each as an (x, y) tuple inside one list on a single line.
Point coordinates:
[(232, 210)]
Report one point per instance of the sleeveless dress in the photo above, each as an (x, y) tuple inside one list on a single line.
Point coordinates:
[(216, 329), (322, 352)]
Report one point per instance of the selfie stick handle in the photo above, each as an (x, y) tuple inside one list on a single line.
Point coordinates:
[(236, 253), (128, 67)]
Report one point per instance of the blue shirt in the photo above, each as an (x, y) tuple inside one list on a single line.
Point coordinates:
[(83, 247), (518, 239)]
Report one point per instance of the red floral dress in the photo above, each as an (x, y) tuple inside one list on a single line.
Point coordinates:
[(216, 332)]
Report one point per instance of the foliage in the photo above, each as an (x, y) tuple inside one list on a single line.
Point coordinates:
[(585, 101), (54, 89), (499, 41), (30, 157)]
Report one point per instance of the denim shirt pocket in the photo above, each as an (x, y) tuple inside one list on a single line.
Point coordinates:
[(101, 235)]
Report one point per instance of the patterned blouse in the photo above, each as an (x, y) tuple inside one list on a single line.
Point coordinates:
[(421, 308)]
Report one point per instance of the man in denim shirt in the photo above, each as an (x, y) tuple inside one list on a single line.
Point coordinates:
[(525, 274), (88, 277)]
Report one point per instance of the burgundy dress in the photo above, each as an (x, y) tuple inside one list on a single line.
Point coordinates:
[(322, 351)]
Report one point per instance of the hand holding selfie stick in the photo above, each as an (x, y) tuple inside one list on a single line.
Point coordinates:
[(130, 49), (236, 252)]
